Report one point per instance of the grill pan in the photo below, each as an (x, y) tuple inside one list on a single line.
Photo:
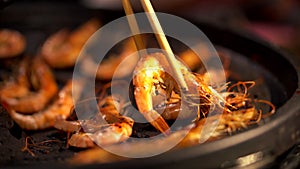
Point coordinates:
[(252, 58)]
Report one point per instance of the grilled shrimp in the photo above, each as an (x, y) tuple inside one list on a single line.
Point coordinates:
[(18, 87), (151, 74), (118, 129), (62, 49), (12, 43), (105, 135), (59, 109), (148, 73), (24, 100), (118, 64), (193, 134)]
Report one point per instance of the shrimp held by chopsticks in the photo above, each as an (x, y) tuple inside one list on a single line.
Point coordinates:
[(152, 73)]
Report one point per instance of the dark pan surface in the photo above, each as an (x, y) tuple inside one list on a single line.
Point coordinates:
[(252, 59)]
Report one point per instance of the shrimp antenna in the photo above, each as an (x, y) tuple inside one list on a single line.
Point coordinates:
[(160, 37)]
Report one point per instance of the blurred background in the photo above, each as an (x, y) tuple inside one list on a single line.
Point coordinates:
[(277, 21)]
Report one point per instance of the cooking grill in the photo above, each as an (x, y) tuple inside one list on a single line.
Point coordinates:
[(260, 146)]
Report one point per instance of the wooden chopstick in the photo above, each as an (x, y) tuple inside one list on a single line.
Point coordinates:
[(160, 36), (163, 43), (133, 25)]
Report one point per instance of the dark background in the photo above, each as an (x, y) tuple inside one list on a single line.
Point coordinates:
[(277, 22)]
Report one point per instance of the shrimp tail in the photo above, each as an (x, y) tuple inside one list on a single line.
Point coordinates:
[(81, 140), (157, 121), (114, 133)]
